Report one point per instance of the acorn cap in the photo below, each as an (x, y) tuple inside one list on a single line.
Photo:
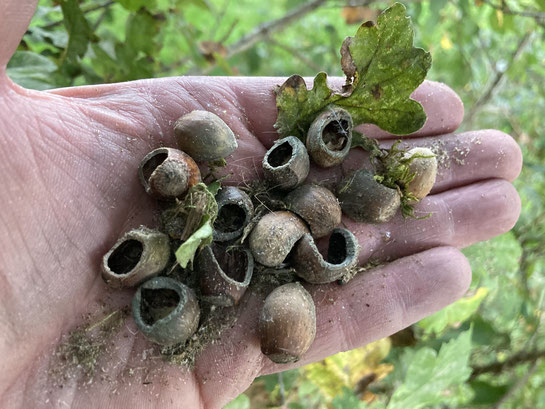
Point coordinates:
[(225, 274), (329, 137), (363, 199), (425, 171), (166, 311), (168, 173), (342, 256), (287, 323), (235, 211), (317, 206), (274, 236), (286, 164), (137, 256), (204, 136)]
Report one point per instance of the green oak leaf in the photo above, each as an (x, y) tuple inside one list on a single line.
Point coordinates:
[(201, 238), (382, 70)]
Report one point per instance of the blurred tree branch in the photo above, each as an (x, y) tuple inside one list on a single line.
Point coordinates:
[(517, 386), (504, 8), (497, 79), (85, 11), (498, 367), (295, 53)]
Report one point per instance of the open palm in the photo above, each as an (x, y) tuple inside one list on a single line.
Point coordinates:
[(68, 161)]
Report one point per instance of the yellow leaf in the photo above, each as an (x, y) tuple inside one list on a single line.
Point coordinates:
[(499, 16), (446, 44), (346, 369)]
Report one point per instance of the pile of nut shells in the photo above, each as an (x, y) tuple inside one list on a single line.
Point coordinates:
[(248, 241)]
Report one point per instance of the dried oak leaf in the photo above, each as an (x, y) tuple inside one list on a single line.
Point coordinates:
[(382, 69)]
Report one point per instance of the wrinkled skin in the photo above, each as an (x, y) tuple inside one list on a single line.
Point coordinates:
[(68, 161)]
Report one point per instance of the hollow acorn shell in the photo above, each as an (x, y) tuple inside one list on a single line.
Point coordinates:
[(287, 323), (224, 286), (168, 321), (425, 172), (168, 173), (137, 256), (235, 211), (204, 136), (342, 256), (330, 136), (274, 236), (317, 206), (286, 164), (363, 199)]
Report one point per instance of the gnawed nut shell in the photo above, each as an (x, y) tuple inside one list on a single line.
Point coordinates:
[(317, 206), (274, 236), (204, 136), (225, 274), (168, 173), (330, 136), (363, 199), (425, 171), (235, 211), (137, 256), (166, 311), (342, 256), (287, 323), (286, 164)]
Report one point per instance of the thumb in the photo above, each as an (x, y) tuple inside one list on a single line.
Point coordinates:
[(15, 17)]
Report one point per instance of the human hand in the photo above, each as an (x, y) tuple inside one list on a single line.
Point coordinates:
[(69, 189)]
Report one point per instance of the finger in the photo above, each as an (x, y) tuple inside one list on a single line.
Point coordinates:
[(462, 158), (383, 301), (15, 17), (245, 104), (373, 305), (458, 217)]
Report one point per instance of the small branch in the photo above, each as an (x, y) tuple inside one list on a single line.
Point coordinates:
[(498, 367), (264, 30), (296, 54), (519, 385), (504, 8), (86, 11), (498, 77)]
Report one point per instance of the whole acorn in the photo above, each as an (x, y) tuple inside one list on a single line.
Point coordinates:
[(424, 168), (168, 173), (166, 311), (274, 236), (204, 136), (329, 137), (363, 199), (286, 164), (137, 256), (287, 323), (317, 206)]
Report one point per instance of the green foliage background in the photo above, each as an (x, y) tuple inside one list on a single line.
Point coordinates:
[(487, 349)]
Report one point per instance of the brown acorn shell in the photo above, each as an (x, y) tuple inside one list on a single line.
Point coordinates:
[(329, 137), (286, 164), (317, 206), (287, 323), (363, 199), (166, 311), (274, 236), (168, 173), (204, 136), (425, 172), (137, 256), (225, 274), (342, 256), (235, 211)]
